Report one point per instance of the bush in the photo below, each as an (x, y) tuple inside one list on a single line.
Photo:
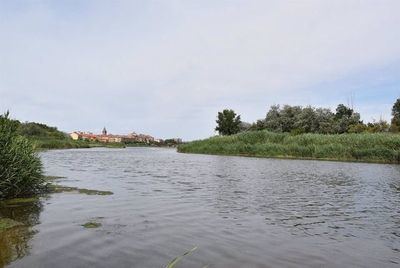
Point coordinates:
[(32, 129), (20, 167)]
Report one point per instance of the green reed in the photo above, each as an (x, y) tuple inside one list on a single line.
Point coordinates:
[(364, 147), (20, 167)]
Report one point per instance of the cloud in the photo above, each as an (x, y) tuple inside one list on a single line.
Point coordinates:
[(167, 67)]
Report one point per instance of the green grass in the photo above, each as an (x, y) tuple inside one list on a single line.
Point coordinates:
[(67, 143), (365, 147), (112, 145)]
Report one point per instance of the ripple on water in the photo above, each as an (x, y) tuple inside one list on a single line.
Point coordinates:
[(239, 212)]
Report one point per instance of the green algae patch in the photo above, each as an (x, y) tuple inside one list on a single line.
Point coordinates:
[(19, 201), (94, 192), (52, 178), (54, 188), (91, 225), (6, 223)]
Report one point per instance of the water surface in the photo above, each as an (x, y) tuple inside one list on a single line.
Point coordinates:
[(239, 212)]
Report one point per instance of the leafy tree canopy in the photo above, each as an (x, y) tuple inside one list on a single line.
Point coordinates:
[(396, 115), (343, 111), (228, 122)]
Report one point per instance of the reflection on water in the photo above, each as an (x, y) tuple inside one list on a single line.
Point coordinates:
[(14, 242), (239, 212)]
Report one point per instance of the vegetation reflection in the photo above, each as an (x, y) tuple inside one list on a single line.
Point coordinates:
[(17, 217)]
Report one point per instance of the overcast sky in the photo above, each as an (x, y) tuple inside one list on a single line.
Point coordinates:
[(166, 68)]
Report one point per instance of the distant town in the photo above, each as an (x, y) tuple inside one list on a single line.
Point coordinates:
[(111, 138)]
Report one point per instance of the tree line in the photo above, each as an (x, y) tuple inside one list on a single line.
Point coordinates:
[(298, 120)]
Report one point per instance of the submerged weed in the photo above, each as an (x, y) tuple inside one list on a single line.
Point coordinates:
[(91, 225), (54, 188), (6, 223), (172, 263)]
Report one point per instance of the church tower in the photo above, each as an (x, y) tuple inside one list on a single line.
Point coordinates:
[(104, 132)]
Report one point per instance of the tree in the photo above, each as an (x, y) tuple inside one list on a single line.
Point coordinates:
[(380, 126), (259, 125), (345, 117), (324, 120), (288, 117), (306, 121), (273, 119), (228, 122), (358, 128), (244, 126), (396, 116), (343, 111)]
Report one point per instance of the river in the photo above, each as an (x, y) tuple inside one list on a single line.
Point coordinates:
[(237, 211)]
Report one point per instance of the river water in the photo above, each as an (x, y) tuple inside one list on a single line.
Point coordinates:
[(238, 212)]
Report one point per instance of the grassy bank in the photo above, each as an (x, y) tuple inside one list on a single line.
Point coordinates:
[(365, 147), (67, 143), (45, 143)]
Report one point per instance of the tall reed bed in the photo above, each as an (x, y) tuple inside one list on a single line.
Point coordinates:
[(20, 167), (366, 147)]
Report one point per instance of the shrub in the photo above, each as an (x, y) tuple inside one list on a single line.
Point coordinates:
[(20, 167)]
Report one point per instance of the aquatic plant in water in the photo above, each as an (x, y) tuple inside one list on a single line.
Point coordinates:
[(6, 223), (172, 263), (55, 188), (91, 224)]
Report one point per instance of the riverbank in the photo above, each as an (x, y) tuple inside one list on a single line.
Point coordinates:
[(46, 144), (364, 147)]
